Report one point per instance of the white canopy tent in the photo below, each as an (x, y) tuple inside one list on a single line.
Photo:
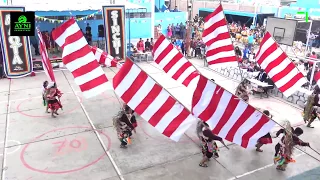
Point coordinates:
[(69, 5)]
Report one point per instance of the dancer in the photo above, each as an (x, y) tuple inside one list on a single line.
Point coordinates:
[(284, 149), (44, 95), (209, 146), (266, 139), (123, 126), (311, 108), (132, 117), (242, 91), (53, 97)]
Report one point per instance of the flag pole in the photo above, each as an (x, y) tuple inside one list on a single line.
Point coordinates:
[(241, 75)]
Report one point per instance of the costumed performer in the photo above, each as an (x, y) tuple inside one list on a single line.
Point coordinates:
[(209, 146), (53, 96), (266, 139), (242, 91), (123, 126), (284, 149)]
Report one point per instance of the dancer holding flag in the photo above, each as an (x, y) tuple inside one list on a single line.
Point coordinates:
[(53, 97), (284, 149)]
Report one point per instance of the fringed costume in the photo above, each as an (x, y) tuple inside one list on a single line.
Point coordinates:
[(242, 91), (284, 149), (53, 97), (123, 127)]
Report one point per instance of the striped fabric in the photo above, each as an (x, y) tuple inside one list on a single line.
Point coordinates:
[(46, 63), (152, 102), (279, 67), (79, 59), (216, 36), (173, 62), (228, 116), (104, 58)]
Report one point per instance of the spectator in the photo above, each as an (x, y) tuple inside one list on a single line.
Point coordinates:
[(313, 56), (169, 31), (140, 45), (88, 37), (182, 31), (262, 76), (196, 18), (176, 9), (147, 45), (183, 50), (250, 40), (88, 28), (238, 52), (151, 44), (177, 30), (159, 29), (246, 52), (312, 37), (318, 40)]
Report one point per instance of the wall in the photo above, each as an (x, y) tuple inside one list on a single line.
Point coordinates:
[(169, 18), (306, 4)]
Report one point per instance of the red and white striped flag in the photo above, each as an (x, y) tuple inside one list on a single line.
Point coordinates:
[(279, 67), (79, 59), (104, 58), (47, 66), (220, 50), (228, 116), (173, 62), (151, 101)]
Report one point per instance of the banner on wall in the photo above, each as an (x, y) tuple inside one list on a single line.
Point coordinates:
[(114, 23), (15, 49)]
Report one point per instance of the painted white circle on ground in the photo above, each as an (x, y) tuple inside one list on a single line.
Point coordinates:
[(15, 149)]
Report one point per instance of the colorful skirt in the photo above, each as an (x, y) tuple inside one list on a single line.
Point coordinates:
[(209, 149), (266, 139), (54, 104)]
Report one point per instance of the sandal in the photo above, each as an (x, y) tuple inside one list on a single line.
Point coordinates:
[(259, 150), (203, 165)]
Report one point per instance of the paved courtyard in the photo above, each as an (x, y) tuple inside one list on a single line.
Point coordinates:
[(81, 143)]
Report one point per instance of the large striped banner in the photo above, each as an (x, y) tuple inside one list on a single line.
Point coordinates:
[(16, 50)]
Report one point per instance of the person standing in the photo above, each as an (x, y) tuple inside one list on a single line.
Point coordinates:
[(140, 45), (151, 44), (169, 31), (250, 41), (147, 45), (182, 30)]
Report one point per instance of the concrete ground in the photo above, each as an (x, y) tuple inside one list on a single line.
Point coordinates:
[(35, 147)]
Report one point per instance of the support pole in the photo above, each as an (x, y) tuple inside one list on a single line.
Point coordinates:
[(308, 39), (312, 75)]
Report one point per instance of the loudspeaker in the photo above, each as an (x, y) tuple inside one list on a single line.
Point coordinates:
[(100, 30)]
